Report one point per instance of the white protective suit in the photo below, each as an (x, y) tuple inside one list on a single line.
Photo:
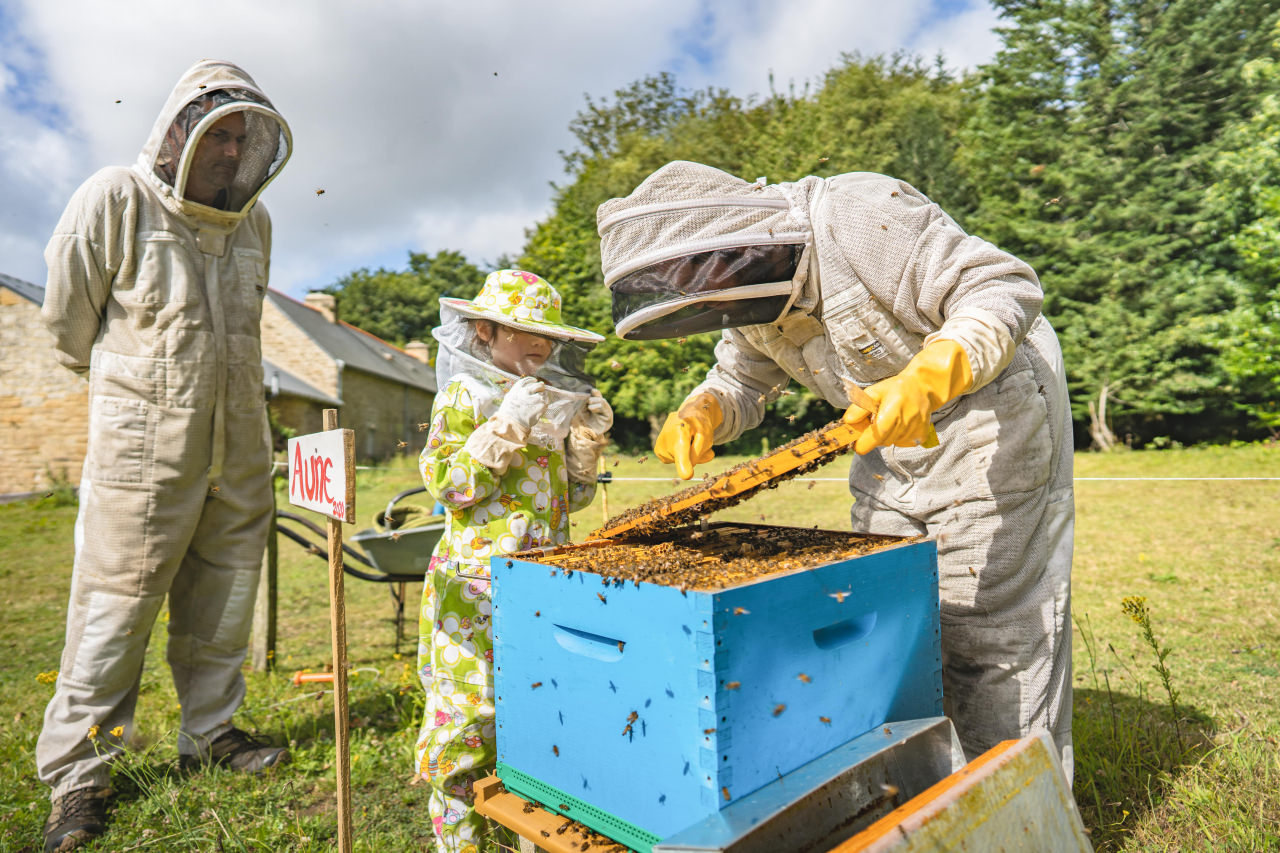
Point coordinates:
[(158, 299), (876, 272)]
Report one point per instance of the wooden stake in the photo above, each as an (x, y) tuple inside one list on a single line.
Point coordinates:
[(338, 624), (604, 492), (264, 609)]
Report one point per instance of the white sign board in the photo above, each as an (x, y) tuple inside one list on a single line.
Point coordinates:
[(322, 473)]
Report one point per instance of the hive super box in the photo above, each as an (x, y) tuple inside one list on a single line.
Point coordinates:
[(638, 710)]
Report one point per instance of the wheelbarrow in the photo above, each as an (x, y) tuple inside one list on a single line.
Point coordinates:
[(396, 550)]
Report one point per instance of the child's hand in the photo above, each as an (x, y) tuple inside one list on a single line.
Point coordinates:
[(524, 403), (597, 416)]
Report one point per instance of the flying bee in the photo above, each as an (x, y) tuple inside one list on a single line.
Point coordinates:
[(826, 721), (725, 792), (840, 596), (791, 419), (319, 192), (603, 600), (642, 460), (778, 709), (733, 685), (535, 685), (805, 678), (738, 611), (555, 750), (401, 444)]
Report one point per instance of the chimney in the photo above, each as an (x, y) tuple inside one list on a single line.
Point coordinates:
[(325, 303), (419, 350)]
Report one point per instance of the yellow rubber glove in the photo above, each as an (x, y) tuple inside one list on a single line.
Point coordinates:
[(687, 435), (904, 403)]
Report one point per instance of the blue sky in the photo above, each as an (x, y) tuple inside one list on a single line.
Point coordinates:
[(395, 107)]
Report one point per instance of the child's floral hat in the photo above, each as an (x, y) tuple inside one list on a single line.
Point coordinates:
[(522, 301)]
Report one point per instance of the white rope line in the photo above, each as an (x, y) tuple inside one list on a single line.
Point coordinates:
[(846, 479)]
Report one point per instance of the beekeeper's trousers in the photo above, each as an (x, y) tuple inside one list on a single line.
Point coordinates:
[(997, 495), (135, 544)]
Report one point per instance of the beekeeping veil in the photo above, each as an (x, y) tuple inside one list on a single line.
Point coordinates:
[(694, 249), (208, 92), (516, 300)]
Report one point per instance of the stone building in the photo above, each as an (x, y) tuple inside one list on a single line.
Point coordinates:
[(311, 361), (383, 392), (44, 408)]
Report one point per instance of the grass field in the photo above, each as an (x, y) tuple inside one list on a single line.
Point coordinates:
[(1204, 557)]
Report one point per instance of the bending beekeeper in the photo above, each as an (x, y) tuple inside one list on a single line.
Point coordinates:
[(516, 433), (859, 279), (156, 280)]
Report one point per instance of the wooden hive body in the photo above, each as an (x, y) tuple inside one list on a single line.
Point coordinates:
[(654, 708)]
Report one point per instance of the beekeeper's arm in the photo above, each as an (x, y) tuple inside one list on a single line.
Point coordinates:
[(730, 401), (464, 461), (83, 257), (583, 447), (979, 301)]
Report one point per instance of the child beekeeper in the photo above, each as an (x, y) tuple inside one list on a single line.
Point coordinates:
[(516, 432)]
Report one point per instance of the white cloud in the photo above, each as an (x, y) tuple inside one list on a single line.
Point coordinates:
[(395, 107)]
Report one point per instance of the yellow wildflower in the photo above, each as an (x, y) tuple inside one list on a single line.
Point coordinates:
[(47, 677), (118, 731), (93, 733)]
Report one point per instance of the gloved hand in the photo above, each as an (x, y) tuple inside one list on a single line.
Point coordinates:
[(597, 416), (523, 404), (936, 375), (687, 435)]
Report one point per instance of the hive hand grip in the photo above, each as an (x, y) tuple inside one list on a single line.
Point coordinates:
[(589, 645), (845, 631)]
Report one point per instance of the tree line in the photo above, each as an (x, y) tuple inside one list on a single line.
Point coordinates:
[(1129, 150)]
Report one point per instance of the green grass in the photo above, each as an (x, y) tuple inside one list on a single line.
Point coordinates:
[(1204, 555)]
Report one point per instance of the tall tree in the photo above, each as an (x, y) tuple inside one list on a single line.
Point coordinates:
[(404, 305), (1090, 149)]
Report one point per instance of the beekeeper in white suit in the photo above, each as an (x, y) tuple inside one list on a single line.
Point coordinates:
[(859, 279), (156, 280)]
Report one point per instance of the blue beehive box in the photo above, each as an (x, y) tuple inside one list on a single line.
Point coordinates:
[(639, 709)]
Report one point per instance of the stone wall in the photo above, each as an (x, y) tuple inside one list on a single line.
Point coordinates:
[(287, 346), (44, 408), (383, 413)]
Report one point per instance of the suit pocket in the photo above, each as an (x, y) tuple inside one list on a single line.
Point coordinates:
[(117, 439), (246, 290), (1011, 447), (166, 274)]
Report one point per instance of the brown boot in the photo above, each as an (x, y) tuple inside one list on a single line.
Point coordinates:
[(242, 752), (77, 818)]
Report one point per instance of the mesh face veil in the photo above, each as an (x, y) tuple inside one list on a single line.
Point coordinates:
[(215, 146), (464, 354), (694, 249), (262, 153)]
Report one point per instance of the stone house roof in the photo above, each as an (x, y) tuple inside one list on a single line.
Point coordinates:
[(25, 289), (354, 347)]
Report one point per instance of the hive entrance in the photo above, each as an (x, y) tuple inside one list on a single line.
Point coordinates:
[(722, 555)]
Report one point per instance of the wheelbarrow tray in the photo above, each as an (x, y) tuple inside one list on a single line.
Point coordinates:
[(400, 552)]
